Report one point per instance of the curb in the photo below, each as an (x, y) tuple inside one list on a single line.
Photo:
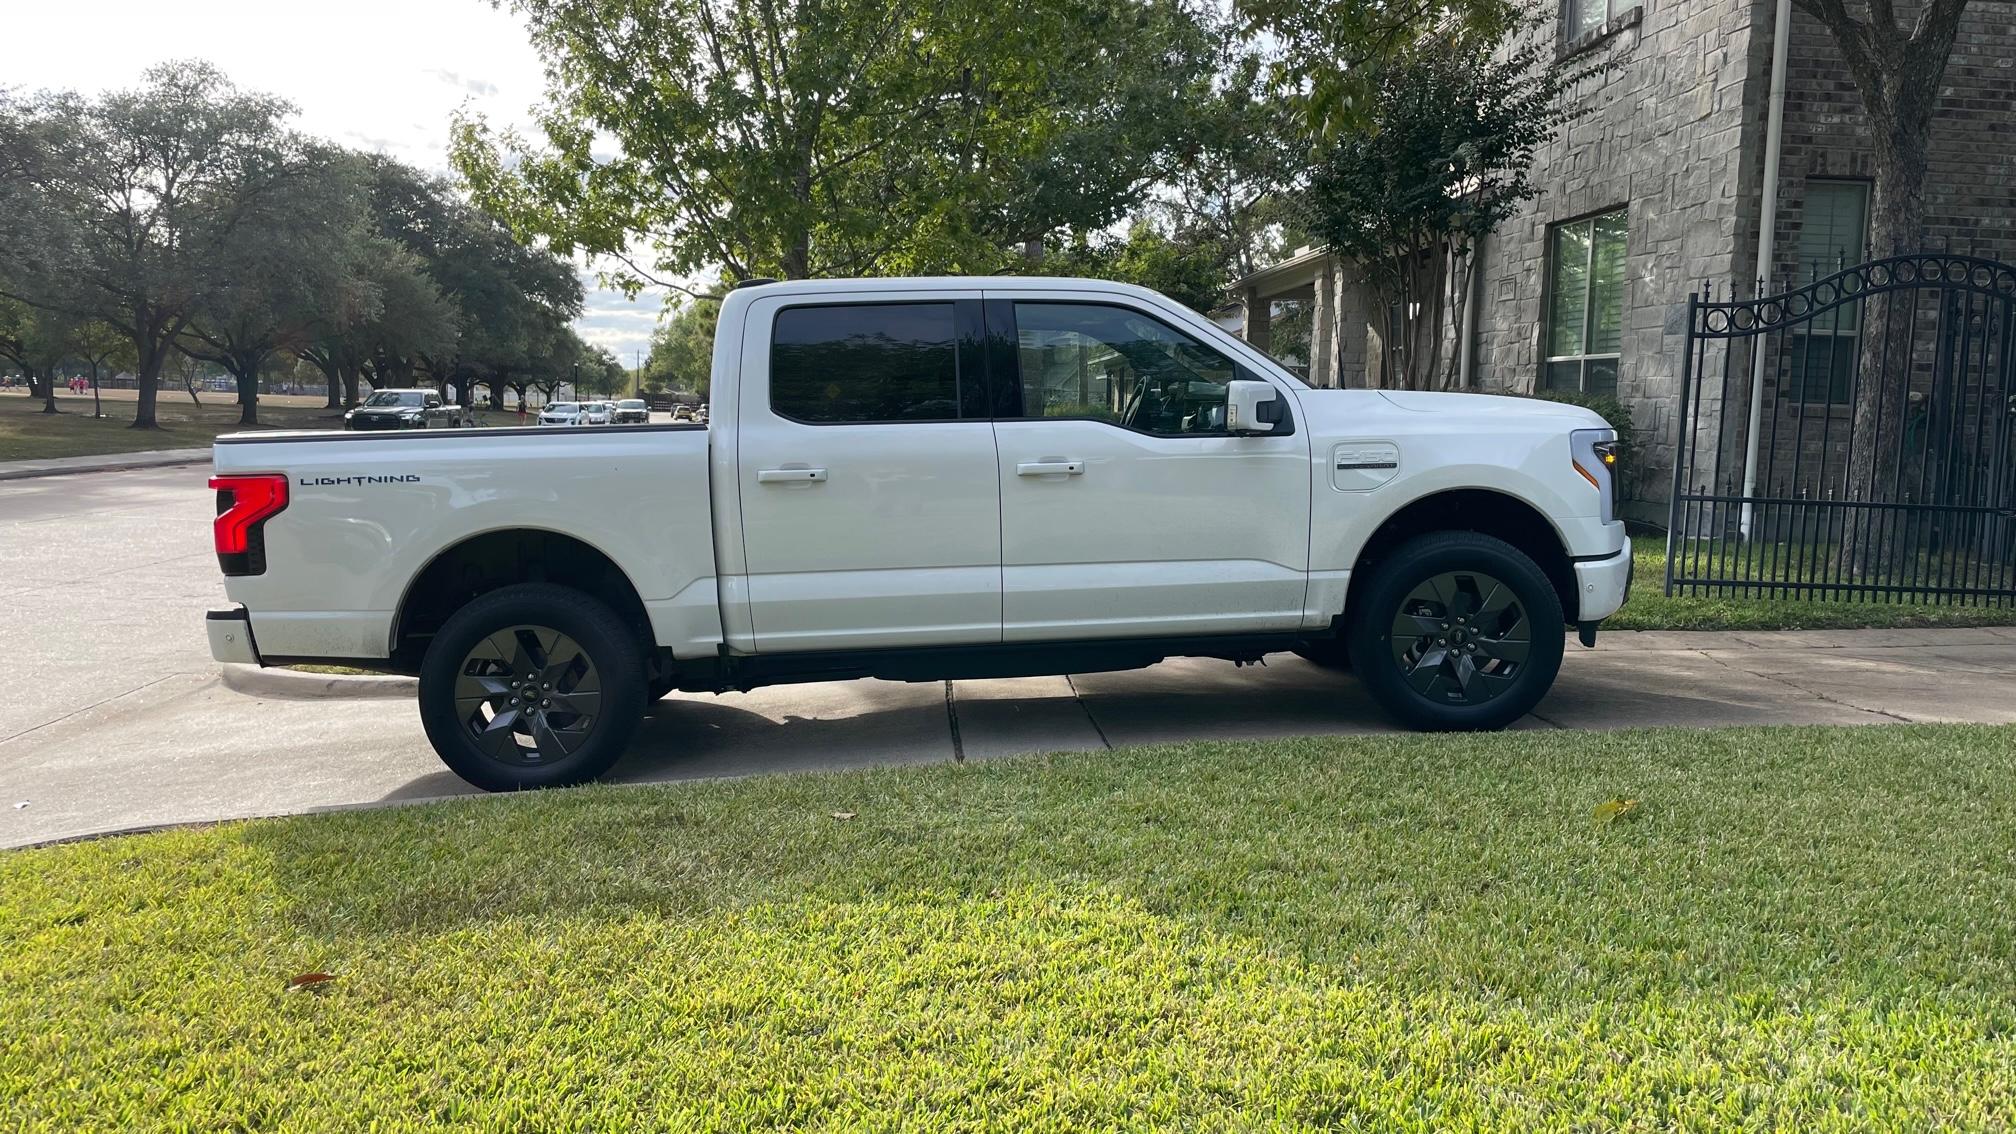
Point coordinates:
[(75, 470), (293, 685)]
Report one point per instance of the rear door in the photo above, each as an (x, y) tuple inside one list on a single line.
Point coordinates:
[(871, 515), (1127, 510)]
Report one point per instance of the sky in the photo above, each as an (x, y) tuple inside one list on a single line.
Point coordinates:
[(380, 75)]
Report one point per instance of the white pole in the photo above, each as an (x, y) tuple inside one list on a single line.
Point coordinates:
[(1767, 224)]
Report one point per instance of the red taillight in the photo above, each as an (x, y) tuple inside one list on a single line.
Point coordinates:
[(243, 503)]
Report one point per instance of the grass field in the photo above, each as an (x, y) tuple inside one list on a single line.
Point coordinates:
[(1649, 609), (26, 433), (1797, 929)]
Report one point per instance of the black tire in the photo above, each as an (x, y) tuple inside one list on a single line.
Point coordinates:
[(472, 694), (1330, 653), (1441, 646)]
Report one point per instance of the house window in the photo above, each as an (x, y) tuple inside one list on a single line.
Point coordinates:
[(1585, 304), (1582, 17), (1833, 230)]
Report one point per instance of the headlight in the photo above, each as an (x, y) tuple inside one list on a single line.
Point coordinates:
[(1595, 458)]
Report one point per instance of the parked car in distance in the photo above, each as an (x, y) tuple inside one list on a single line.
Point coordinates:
[(633, 411), (1031, 476), (700, 413), (682, 412), (595, 413), (403, 409), (561, 413)]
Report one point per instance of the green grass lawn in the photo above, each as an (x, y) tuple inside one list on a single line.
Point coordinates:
[(26, 433), (1799, 929), (1650, 609)]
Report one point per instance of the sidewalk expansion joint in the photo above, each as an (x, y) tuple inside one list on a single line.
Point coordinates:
[(952, 718), (1087, 710), (1813, 693)]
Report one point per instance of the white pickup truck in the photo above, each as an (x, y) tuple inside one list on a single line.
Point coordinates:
[(925, 479)]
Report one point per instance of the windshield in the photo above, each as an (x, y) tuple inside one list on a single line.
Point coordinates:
[(395, 398), (631, 403), (562, 407)]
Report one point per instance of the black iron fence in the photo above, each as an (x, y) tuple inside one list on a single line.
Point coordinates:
[(1852, 438)]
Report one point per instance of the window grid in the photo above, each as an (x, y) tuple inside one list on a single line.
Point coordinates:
[(1576, 357)]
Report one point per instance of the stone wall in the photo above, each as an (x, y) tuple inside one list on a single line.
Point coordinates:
[(1664, 138)]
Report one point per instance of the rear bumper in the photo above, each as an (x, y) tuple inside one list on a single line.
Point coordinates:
[(1602, 585), (230, 630)]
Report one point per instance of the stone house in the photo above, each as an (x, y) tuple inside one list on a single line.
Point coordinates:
[(1657, 192)]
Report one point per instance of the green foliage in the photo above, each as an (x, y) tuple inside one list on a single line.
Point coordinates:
[(682, 349), (127, 208), (1442, 156), (1332, 54), (851, 137), (1191, 274), (1802, 929)]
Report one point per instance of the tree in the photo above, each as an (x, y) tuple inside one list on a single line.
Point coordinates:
[(123, 208), (601, 374), (1191, 273), (1442, 157), (286, 268), (798, 138), (102, 346), (37, 342), (1329, 55), (1897, 74), (682, 349)]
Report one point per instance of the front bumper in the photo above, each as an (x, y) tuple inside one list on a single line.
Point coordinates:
[(231, 635), (1603, 585)]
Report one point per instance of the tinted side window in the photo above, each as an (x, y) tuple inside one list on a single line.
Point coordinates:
[(1119, 365), (865, 362)]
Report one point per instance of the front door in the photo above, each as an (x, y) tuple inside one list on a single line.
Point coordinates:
[(1127, 510), (866, 468)]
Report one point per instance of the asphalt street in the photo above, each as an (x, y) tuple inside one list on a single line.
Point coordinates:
[(115, 716)]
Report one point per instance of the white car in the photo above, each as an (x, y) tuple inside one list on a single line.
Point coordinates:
[(927, 479), (597, 413), (561, 413)]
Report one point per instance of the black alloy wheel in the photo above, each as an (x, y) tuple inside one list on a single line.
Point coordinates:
[(533, 685), (1456, 630)]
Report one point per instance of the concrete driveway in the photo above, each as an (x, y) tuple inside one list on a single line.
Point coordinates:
[(126, 723)]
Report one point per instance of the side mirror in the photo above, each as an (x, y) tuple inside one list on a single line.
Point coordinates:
[(1253, 407)]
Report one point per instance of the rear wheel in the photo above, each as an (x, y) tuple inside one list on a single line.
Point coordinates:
[(530, 686), (1456, 630)]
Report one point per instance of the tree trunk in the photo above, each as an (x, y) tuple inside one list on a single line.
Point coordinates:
[(350, 379), (335, 382), (49, 393), (248, 397), (97, 405), (1897, 227), (147, 385)]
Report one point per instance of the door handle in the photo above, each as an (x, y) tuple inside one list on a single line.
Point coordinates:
[(790, 476), (1050, 468)]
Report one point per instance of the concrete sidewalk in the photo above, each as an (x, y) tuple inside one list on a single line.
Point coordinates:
[(184, 748), (101, 462)]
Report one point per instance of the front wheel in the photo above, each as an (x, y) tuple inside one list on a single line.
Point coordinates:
[(1456, 630), (532, 686)]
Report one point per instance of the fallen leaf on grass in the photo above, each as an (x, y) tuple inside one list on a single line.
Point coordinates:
[(843, 815), (309, 981), (1615, 810)]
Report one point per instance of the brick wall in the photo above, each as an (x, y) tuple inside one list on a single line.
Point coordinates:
[(1970, 195)]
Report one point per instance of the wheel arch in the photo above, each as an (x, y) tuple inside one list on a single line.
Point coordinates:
[(1483, 510), (491, 560)]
